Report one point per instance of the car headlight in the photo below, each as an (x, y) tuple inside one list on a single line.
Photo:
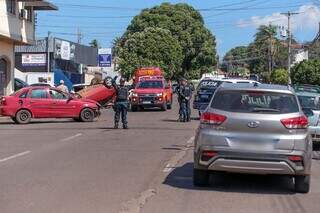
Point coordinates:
[(134, 94), (160, 94)]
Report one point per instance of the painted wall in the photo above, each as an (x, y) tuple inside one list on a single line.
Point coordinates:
[(6, 52), (14, 28)]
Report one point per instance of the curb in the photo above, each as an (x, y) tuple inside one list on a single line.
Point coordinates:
[(4, 118)]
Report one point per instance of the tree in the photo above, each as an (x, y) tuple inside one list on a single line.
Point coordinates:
[(306, 72), (94, 43), (186, 25), (236, 58), (151, 47), (263, 49), (279, 76)]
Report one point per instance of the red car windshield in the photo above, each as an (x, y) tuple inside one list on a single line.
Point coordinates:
[(150, 84)]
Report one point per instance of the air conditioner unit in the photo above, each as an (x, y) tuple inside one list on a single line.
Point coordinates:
[(23, 14)]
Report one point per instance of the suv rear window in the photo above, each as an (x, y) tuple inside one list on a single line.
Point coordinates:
[(255, 102)]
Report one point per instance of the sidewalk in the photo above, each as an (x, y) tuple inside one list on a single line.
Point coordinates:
[(4, 118)]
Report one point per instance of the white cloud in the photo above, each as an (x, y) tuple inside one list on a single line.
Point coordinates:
[(308, 18)]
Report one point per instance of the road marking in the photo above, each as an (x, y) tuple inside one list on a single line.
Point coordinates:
[(173, 162), (71, 137), (15, 156), (136, 204)]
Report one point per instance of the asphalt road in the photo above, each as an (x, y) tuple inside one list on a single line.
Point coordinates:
[(60, 166)]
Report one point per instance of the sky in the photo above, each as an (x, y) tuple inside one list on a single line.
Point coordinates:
[(232, 22)]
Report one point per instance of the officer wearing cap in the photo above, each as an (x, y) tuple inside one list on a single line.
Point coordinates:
[(121, 103), (185, 94)]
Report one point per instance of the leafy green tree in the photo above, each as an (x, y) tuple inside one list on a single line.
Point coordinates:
[(279, 76), (264, 44), (314, 50), (151, 47), (186, 25), (236, 58), (306, 72), (94, 43)]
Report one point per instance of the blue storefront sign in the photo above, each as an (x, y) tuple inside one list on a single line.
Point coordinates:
[(105, 57)]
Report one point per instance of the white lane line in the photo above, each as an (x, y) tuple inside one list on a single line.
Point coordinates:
[(71, 137), (15, 156), (168, 168), (174, 161)]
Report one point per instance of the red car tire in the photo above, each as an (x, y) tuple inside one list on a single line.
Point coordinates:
[(87, 115), (23, 116)]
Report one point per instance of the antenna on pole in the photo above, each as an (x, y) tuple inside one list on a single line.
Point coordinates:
[(79, 35), (289, 14)]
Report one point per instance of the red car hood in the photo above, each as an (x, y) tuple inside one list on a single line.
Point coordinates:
[(148, 91)]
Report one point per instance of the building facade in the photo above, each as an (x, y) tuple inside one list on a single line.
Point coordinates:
[(67, 61), (17, 27)]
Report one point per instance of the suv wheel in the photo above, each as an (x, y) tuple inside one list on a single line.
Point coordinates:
[(200, 177), (87, 115), (23, 117), (302, 184)]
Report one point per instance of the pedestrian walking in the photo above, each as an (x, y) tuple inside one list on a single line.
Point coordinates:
[(184, 97), (62, 87), (121, 103)]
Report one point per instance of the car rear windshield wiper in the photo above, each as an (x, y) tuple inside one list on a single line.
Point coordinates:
[(264, 110)]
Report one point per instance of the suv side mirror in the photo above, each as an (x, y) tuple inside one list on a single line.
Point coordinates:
[(308, 112)]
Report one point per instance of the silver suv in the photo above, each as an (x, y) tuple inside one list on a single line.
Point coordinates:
[(254, 129)]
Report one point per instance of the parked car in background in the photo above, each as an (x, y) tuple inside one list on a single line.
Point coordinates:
[(46, 102), (206, 89), (309, 98), (254, 129), (19, 84)]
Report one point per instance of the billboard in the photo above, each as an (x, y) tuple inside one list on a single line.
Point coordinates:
[(38, 59), (64, 50), (105, 57)]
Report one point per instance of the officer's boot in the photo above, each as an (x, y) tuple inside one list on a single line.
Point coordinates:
[(125, 126), (116, 125)]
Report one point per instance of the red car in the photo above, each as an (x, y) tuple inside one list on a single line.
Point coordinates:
[(151, 91), (46, 102)]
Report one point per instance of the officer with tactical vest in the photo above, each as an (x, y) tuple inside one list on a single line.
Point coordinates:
[(185, 94), (121, 103)]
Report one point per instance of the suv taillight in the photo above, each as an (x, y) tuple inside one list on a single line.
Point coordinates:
[(295, 123), (212, 118)]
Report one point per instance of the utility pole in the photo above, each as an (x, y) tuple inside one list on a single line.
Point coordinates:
[(79, 35), (289, 14), (48, 57), (270, 51)]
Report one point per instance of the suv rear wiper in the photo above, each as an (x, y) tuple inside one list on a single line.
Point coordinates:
[(264, 110)]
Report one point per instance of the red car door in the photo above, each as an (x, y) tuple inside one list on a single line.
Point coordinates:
[(63, 107), (39, 103)]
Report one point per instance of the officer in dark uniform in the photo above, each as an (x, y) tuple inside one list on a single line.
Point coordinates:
[(185, 94), (121, 103)]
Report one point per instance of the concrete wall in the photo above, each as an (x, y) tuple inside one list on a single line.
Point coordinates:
[(13, 27), (7, 53)]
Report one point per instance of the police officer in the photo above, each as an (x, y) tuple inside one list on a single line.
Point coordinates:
[(185, 94), (121, 103)]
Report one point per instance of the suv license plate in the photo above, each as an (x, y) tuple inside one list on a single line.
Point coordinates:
[(146, 102)]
